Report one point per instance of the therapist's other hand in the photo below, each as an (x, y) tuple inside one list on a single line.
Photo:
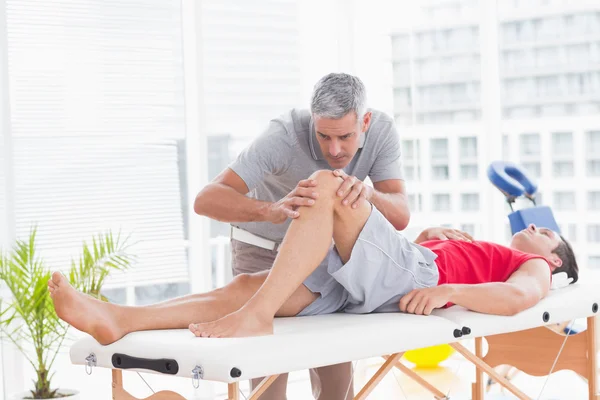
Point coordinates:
[(424, 301), (353, 190), (303, 195), (439, 233)]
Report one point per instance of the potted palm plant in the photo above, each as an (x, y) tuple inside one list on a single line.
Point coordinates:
[(27, 317)]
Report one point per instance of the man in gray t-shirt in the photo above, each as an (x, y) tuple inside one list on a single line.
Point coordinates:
[(260, 192)]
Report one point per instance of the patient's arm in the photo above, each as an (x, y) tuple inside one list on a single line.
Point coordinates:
[(525, 288)]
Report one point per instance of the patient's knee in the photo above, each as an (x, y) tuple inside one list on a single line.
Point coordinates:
[(248, 281), (327, 182), (242, 280)]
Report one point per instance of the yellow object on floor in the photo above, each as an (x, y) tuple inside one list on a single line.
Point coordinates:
[(429, 357)]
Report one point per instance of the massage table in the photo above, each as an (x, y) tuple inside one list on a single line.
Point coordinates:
[(298, 343)]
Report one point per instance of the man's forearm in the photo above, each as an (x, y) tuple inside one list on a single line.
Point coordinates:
[(393, 206), (490, 298), (223, 203)]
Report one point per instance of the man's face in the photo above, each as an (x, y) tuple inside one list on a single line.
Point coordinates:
[(540, 241), (340, 139)]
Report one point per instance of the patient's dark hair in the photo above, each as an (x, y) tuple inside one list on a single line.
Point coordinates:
[(569, 264)]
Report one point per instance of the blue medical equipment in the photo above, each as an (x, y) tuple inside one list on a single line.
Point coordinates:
[(514, 182)]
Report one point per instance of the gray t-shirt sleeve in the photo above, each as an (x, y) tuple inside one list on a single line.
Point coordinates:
[(268, 154), (388, 163)]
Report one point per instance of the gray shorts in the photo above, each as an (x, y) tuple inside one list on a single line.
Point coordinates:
[(383, 267)]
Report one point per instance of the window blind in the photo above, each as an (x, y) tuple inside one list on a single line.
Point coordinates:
[(97, 112), (251, 63), (3, 222)]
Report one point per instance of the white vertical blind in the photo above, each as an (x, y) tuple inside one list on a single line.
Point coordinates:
[(3, 221), (4, 125), (97, 115), (251, 63)]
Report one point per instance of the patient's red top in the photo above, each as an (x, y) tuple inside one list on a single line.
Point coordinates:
[(465, 262)]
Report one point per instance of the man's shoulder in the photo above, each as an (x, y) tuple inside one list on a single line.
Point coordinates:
[(288, 127), (380, 117), (381, 121), (382, 126), (294, 120)]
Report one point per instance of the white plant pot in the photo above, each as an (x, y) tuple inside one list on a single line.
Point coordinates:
[(70, 395)]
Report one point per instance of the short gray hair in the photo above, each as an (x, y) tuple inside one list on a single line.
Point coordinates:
[(337, 94)]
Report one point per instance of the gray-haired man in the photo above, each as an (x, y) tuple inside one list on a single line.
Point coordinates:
[(261, 190)]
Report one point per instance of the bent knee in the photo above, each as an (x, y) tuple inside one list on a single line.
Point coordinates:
[(248, 281), (327, 182)]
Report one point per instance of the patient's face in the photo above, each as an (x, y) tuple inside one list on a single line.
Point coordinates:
[(540, 241)]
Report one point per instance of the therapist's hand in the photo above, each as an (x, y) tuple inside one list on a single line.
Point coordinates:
[(303, 195), (353, 190)]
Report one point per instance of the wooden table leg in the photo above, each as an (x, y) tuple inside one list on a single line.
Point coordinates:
[(477, 389)]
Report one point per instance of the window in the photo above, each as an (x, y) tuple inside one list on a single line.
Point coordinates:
[(439, 159), (410, 154), (529, 145), (116, 296), (409, 172), (578, 54), (469, 228), (563, 169), (401, 46), (440, 172), (469, 172), (593, 167), (408, 150), (533, 168), (3, 195), (145, 295), (548, 27), (507, 233), (544, 57), (415, 202), (98, 121), (593, 233), (593, 143), (592, 147), (593, 201), (439, 149), (571, 232), (470, 201), (441, 202), (505, 147), (401, 99), (468, 147), (562, 144), (578, 84), (593, 262), (564, 200)]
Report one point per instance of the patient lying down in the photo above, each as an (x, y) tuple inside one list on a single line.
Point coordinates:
[(370, 268)]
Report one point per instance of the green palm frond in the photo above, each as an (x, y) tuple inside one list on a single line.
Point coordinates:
[(105, 254), (29, 316)]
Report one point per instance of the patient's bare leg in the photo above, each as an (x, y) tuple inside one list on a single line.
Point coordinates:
[(109, 322), (304, 247)]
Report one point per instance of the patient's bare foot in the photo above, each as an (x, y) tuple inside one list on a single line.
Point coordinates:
[(85, 313), (241, 323)]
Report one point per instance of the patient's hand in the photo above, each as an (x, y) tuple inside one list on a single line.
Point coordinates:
[(439, 233), (424, 301)]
